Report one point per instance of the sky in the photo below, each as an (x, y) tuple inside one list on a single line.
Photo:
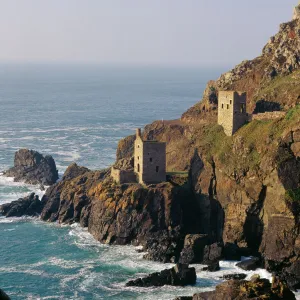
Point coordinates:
[(138, 32)]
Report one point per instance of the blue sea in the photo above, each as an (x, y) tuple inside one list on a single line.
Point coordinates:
[(78, 113)]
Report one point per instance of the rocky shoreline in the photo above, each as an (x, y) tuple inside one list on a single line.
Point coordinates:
[(240, 196)]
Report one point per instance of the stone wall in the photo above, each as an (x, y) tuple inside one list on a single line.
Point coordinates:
[(123, 176), (154, 162), (138, 155), (272, 115)]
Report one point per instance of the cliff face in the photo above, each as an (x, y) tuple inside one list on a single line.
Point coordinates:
[(245, 186), (151, 216)]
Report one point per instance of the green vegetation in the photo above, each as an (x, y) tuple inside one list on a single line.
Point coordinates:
[(178, 173), (293, 114), (293, 196), (250, 143), (280, 85)]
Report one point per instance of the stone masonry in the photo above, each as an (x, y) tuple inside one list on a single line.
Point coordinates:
[(271, 115), (123, 176), (232, 111), (149, 160)]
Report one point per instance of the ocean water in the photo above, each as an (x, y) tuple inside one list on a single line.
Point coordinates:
[(78, 114)]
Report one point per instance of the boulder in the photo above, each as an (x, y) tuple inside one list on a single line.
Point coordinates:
[(28, 206), (249, 264), (212, 267), (193, 250), (3, 296), (212, 252), (32, 167), (180, 275)]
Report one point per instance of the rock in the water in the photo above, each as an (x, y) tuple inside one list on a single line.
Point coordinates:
[(32, 167), (249, 264), (3, 296), (28, 206), (238, 276), (212, 253), (193, 250), (291, 275), (212, 267), (180, 275)]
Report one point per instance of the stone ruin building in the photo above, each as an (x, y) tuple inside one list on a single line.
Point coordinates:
[(149, 163), (149, 160), (232, 111)]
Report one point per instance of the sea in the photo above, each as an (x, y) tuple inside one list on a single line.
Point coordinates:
[(78, 113)]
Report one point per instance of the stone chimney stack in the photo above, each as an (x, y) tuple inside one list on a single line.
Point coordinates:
[(296, 15), (138, 133)]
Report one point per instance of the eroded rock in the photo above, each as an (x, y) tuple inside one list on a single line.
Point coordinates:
[(28, 206), (32, 167)]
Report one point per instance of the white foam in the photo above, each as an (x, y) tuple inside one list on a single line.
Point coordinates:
[(18, 189), (69, 156)]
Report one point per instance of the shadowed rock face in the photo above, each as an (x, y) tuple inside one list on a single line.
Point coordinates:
[(3, 296), (68, 201), (28, 206), (32, 167), (151, 216)]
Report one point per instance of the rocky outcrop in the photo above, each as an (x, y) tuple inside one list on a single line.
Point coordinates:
[(74, 171), (32, 167), (69, 200), (180, 275), (151, 216), (28, 206), (270, 79), (242, 290), (249, 264), (3, 296), (193, 249)]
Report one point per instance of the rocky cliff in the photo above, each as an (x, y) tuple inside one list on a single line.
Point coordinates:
[(270, 80), (246, 187)]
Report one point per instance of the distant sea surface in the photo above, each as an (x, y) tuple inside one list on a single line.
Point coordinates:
[(78, 114)]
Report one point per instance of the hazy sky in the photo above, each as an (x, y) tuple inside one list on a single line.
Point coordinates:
[(139, 31)]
